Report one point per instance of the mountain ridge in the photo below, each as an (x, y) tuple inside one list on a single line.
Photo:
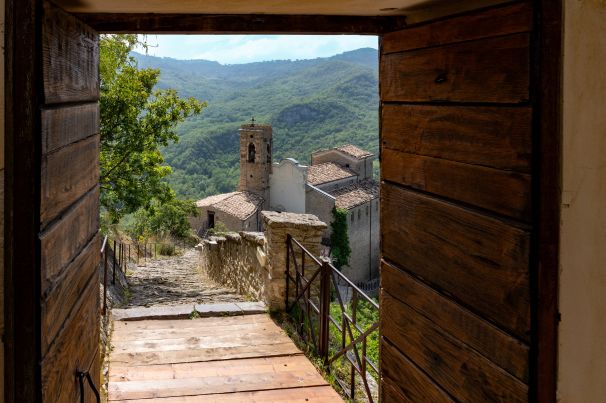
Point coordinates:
[(311, 104)]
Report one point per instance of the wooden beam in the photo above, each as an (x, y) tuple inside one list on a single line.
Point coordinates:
[(548, 190), (22, 202), (241, 24)]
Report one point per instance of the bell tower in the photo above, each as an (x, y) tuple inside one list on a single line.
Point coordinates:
[(255, 159)]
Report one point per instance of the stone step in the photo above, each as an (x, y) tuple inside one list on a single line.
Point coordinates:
[(188, 310)]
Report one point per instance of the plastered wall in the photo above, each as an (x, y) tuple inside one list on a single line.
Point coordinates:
[(582, 331)]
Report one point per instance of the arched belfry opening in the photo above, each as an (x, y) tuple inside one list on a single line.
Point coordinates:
[(268, 153), (251, 152)]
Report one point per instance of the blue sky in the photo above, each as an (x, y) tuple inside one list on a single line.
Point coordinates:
[(232, 49)]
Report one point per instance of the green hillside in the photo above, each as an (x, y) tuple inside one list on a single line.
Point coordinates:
[(311, 104)]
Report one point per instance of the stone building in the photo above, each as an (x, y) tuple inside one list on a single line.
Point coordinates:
[(339, 177)]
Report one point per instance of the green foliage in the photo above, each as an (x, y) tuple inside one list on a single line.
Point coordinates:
[(339, 240), (136, 121), (162, 219), (311, 104), (219, 229)]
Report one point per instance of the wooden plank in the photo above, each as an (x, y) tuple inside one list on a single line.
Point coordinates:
[(67, 174), (494, 344), (389, 394), (506, 193), (407, 380), (511, 19), (62, 242), (548, 87), (493, 70), (58, 303), (66, 125), (186, 332), (231, 24), (225, 368), (204, 324), (70, 58), (324, 394), (204, 342), (497, 137), (74, 348), (462, 372), (250, 350), (282, 377), (481, 261)]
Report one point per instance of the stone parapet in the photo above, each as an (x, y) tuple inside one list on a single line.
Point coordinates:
[(254, 263)]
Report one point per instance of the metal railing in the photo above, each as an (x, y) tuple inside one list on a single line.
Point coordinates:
[(332, 327), (124, 252)]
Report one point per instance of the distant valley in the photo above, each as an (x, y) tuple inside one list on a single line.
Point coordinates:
[(311, 104)]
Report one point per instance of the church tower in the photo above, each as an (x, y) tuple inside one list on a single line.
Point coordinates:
[(255, 159)]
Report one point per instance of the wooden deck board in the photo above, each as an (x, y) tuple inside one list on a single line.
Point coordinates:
[(229, 359)]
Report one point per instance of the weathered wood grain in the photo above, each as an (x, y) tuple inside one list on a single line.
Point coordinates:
[(497, 137), (242, 24), (64, 240), (67, 174), (74, 348), (495, 70), (70, 58), (461, 371), (66, 125), (511, 19), (505, 351), (506, 193), (403, 376), (481, 261), (60, 300)]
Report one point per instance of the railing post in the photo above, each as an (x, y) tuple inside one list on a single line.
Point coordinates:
[(114, 265), (287, 271), (104, 278), (324, 308)]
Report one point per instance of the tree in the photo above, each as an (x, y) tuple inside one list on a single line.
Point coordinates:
[(136, 121), (339, 240), (162, 220)]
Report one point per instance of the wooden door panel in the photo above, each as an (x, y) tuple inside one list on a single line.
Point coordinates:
[(457, 207), (489, 136), (69, 206)]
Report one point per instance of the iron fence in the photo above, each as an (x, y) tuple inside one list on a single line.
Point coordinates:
[(330, 325)]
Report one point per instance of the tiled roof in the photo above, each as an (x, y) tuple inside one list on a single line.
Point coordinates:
[(327, 172), (239, 204), (210, 200), (354, 151), (358, 193)]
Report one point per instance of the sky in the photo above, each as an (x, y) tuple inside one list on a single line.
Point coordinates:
[(234, 49)]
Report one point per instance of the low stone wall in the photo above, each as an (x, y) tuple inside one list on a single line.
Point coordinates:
[(237, 260), (254, 263)]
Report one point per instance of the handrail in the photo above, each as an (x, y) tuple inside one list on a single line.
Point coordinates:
[(340, 337)]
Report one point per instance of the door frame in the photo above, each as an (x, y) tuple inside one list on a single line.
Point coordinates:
[(23, 79)]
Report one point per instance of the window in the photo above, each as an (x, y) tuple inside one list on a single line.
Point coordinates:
[(251, 152), (359, 213), (366, 210), (352, 216)]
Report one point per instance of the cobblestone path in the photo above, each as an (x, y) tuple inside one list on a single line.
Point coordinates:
[(172, 281)]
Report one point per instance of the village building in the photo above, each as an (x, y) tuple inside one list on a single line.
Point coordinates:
[(340, 177)]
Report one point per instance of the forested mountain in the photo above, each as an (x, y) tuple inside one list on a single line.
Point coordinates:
[(311, 104)]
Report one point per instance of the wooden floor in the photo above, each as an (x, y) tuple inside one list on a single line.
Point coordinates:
[(221, 359)]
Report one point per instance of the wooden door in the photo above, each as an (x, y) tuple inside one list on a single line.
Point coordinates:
[(64, 327), (456, 208)]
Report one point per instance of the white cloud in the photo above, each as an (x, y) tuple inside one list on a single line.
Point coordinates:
[(231, 49)]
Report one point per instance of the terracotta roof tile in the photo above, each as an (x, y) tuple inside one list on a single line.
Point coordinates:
[(358, 193), (354, 151), (210, 200), (241, 204), (327, 172)]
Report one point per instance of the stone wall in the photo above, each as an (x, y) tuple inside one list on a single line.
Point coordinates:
[(254, 263), (237, 260)]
